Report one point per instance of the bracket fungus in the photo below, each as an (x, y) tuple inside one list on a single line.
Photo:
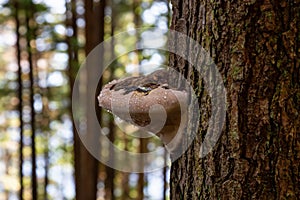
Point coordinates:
[(149, 102)]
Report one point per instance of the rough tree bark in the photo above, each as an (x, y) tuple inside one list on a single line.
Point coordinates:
[(255, 45)]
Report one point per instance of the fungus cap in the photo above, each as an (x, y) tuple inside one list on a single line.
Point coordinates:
[(152, 106)]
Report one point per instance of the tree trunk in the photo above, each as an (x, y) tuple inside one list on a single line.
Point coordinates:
[(20, 97), (86, 166), (255, 45), (30, 36), (73, 64)]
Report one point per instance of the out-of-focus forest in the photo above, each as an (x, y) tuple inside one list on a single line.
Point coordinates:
[(42, 45)]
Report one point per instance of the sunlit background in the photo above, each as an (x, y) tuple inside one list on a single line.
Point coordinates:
[(36, 75)]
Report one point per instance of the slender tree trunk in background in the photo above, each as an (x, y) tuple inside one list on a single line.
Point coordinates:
[(255, 45), (30, 36), (125, 176), (87, 165), (46, 168), (110, 172), (73, 49), (73, 63), (45, 123), (20, 97), (165, 179)]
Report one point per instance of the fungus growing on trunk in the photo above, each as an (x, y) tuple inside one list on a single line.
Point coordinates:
[(149, 102)]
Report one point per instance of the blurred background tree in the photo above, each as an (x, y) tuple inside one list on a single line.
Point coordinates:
[(42, 45)]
